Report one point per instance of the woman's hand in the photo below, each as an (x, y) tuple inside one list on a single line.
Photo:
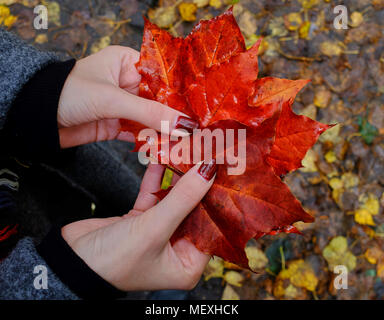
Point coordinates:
[(133, 252), (100, 90)]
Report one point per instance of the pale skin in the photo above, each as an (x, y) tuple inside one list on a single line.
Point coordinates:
[(132, 252)]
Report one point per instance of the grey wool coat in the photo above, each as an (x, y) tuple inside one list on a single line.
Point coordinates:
[(91, 176)]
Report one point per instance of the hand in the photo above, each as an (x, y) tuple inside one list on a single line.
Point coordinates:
[(100, 90), (133, 252)]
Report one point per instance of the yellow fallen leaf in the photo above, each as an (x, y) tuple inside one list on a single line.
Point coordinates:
[(356, 19), (302, 226), (9, 21), (291, 292), (26, 3), (337, 253), (53, 12), (322, 97), (304, 30), (247, 23), (333, 174), (331, 135), (293, 21), (187, 11), (370, 202), (369, 206), (330, 48), (309, 111), (278, 288), (337, 189), (309, 162), (308, 4), (41, 38), (215, 3), (363, 217), (4, 11), (277, 27), (214, 269), (6, 18), (201, 3), (101, 44), (234, 278), (380, 269), (373, 255), (229, 293), (350, 180), (256, 258), (251, 40), (330, 156), (164, 17), (336, 196), (167, 179), (301, 275)]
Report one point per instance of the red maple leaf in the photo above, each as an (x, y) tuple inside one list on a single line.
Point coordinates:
[(211, 77)]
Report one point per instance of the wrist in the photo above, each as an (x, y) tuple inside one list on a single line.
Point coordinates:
[(72, 269)]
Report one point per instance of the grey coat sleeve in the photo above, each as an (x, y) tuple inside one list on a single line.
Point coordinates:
[(18, 63), (96, 170), (24, 275)]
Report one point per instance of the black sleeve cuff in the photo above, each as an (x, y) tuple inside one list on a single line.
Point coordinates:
[(31, 129), (72, 270)]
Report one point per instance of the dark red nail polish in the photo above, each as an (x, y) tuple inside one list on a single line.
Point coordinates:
[(208, 170), (186, 124), (148, 153)]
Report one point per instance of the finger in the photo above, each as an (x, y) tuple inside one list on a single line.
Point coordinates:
[(71, 232), (101, 130), (150, 184), (182, 199), (116, 103)]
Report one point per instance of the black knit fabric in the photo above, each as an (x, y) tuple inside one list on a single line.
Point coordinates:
[(31, 128), (31, 132)]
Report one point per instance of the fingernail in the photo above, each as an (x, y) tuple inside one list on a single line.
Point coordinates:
[(187, 124), (148, 153), (208, 170)]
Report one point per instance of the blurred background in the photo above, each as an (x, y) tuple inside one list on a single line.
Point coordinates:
[(342, 181)]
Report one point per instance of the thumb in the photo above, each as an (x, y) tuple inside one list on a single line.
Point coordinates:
[(182, 199), (120, 104)]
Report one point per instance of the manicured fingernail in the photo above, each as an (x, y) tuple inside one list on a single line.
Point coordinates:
[(186, 124), (148, 153), (208, 170)]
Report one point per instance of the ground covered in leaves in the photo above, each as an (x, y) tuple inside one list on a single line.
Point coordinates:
[(342, 182)]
